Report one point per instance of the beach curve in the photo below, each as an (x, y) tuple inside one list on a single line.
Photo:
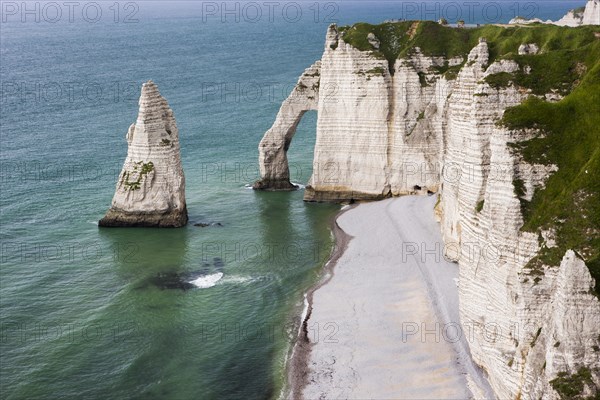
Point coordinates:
[(375, 328)]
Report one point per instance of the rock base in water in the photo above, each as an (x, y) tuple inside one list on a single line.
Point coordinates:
[(123, 219), (280, 185), (338, 196)]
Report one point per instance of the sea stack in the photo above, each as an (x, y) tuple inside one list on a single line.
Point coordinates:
[(151, 187)]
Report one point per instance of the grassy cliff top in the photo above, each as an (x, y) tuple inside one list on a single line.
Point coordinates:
[(398, 39)]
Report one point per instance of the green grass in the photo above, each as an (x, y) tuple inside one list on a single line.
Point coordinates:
[(560, 47), (448, 72), (500, 80), (570, 202)]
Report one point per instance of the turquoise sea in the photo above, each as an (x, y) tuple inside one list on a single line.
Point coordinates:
[(87, 313)]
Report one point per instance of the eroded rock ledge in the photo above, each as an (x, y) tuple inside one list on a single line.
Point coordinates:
[(151, 187)]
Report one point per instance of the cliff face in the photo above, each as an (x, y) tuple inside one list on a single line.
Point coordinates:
[(423, 122), (151, 187), (274, 170), (589, 16)]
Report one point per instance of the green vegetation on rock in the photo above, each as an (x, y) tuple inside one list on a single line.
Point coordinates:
[(568, 137), (479, 206), (500, 80), (448, 72), (564, 51), (376, 71), (571, 386), (144, 169)]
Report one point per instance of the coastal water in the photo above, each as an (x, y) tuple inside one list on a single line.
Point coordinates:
[(110, 313)]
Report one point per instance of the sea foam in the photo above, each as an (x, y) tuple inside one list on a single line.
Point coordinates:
[(207, 281)]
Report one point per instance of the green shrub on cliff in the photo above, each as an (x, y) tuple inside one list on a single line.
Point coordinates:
[(500, 80), (571, 386)]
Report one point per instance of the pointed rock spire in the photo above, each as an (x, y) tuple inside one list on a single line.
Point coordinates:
[(151, 187)]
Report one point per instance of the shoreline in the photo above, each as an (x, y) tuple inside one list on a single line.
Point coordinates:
[(297, 366), (431, 299)]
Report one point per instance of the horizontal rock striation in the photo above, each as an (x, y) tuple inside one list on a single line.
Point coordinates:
[(151, 187), (424, 123)]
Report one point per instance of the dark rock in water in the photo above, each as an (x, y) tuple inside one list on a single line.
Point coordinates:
[(218, 263), (182, 280), (205, 269), (205, 224), (132, 219), (171, 280)]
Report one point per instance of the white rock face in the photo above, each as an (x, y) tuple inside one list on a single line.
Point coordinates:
[(590, 16), (151, 187), (274, 169), (381, 134), (377, 131), (373, 41), (574, 319), (529, 48), (352, 126), (523, 21)]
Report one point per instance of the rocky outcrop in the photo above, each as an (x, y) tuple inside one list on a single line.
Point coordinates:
[(350, 151), (591, 15), (274, 169), (391, 128), (151, 187), (507, 307), (528, 48), (588, 15)]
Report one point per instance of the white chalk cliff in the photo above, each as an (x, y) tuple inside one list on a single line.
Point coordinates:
[(151, 187), (589, 16), (386, 130)]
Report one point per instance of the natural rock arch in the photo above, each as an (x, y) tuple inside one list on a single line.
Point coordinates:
[(273, 163)]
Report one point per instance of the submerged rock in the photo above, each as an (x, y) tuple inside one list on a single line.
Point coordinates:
[(206, 276), (151, 187), (171, 280), (205, 224)]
